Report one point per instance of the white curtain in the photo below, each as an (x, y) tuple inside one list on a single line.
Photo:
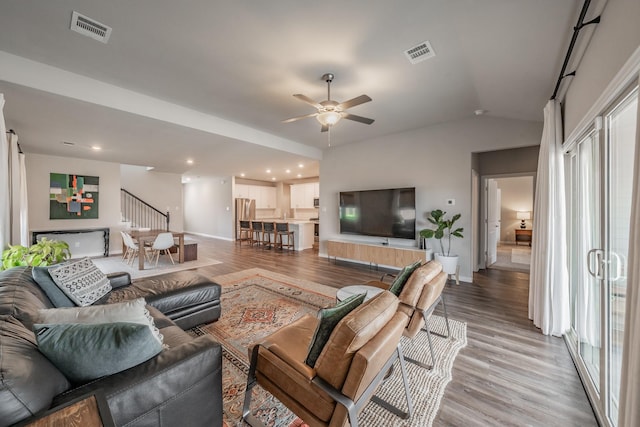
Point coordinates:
[(548, 283), (14, 228), (629, 414)]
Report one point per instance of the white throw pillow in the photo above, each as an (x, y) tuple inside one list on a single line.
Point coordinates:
[(81, 281), (133, 311)]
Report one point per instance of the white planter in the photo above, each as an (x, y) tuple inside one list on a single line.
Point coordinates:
[(449, 263)]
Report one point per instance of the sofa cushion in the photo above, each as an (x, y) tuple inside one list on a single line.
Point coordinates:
[(328, 319), (50, 288), (86, 352), (133, 311), (81, 281), (402, 277), (28, 381)]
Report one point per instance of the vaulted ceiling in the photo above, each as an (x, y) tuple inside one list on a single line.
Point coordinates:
[(212, 80)]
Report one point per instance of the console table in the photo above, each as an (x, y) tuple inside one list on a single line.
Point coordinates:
[(104, 231), (523, 235), (372, 253)]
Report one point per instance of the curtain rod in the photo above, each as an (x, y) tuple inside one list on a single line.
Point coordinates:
[(576, 30), (12, 132)]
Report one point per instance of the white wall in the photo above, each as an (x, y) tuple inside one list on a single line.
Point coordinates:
[(208, 207), (517, 195), (616, 37), (436, 160), (38, 169), (163, 191)]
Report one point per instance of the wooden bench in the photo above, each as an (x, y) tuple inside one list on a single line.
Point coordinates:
[(190, 250)]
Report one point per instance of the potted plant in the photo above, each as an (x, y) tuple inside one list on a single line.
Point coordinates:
[(444, 231), (44, 252)]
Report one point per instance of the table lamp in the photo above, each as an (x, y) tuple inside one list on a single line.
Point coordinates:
[(522, 215)]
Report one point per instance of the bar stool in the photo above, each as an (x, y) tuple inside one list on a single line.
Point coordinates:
[(256, 232), (267, 230), (282, 229), (244, 232)]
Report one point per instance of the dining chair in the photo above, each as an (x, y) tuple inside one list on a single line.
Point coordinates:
[(162, 243), (133, 249)]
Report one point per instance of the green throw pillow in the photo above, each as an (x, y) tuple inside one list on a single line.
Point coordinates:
[(401, 279), (85, 352), (329, 318), (50, 288)]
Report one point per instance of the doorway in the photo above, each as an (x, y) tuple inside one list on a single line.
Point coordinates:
[(508, 222)]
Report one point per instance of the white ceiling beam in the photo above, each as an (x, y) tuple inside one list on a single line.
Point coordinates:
[(25, 72)]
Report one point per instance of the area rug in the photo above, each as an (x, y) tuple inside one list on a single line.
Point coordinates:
[(114, 264), (521, 256), (257, 302)]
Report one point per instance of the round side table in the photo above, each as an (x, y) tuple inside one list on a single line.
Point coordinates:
[(347, 291)]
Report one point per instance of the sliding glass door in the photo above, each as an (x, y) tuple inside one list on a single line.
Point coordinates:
[(599, 184)]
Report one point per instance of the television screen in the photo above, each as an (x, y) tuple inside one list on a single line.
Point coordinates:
[(383, 213)]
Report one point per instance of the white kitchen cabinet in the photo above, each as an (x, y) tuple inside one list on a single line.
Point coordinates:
[(266, 198), (242, 191), (316, 189), (302, 195)]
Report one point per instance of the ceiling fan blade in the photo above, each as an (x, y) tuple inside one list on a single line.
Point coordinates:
[(355, 101), (293, 119), (308, 100), (355, 118), (324, 128)]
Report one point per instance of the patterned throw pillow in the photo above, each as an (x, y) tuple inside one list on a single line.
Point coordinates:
[(329, 318), (401, 279), (81, 281)]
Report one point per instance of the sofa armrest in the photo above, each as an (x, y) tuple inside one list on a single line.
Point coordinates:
[(119, 279), (180, 386)]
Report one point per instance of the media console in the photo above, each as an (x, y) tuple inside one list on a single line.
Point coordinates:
[(393, 256)]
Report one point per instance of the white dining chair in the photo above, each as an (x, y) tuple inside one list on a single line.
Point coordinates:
[(133, 249), (163, 242)]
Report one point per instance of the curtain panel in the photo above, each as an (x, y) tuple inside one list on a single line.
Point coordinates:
[(629, 413), (549, 280)]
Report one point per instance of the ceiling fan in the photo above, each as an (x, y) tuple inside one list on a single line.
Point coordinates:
[(330, 112)]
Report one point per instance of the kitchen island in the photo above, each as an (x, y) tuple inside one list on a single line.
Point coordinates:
[(302, 229)]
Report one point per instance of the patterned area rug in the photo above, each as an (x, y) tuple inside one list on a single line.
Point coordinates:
[(257, 302)]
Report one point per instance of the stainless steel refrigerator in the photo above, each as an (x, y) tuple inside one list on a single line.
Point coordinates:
[(245, 211)]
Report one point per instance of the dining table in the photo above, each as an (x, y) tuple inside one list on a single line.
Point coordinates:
[(144, 237)]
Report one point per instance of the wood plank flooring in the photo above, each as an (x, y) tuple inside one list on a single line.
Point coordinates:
[(508, 375)]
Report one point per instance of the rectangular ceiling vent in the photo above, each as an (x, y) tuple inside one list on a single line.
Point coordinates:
[(89, 27), (420, 52)]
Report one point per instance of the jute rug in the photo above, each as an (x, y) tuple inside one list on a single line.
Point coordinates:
[(114, 264), (257, 302)]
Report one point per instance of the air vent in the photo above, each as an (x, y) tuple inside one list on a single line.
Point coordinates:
[(90, 28), (420, 52)]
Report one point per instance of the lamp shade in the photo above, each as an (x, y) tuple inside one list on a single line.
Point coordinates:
[(523, 215), (329, 118)]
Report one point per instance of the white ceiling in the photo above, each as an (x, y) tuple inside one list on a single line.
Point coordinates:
[(242, 61)]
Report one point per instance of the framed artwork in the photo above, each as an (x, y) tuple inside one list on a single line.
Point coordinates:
[(73, 196)]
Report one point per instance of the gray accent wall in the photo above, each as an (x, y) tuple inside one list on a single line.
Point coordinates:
[(436, 160)]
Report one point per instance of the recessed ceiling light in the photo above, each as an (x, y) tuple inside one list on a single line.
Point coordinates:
[(273, 178), (288, 171), (189, 161), (300, 165), (299, 175), (268, 170), (96, 148), (242, 174)]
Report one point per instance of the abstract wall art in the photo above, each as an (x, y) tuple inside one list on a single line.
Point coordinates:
[(73, 196)]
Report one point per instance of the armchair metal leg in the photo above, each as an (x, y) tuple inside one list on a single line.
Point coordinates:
[(446, 318)]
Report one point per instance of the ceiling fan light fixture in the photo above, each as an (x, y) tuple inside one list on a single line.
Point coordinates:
[(328, 118)]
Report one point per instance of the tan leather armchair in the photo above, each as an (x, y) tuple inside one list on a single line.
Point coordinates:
[(360, 351), (419, 297)]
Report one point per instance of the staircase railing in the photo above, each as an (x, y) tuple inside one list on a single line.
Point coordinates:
[(140, 213)]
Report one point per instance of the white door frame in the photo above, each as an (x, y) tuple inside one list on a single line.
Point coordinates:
[(482, 247)]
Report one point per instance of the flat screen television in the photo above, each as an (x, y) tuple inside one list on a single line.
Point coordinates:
[(382, 213)]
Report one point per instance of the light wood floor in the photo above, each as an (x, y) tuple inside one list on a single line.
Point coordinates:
[(508, 375)]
